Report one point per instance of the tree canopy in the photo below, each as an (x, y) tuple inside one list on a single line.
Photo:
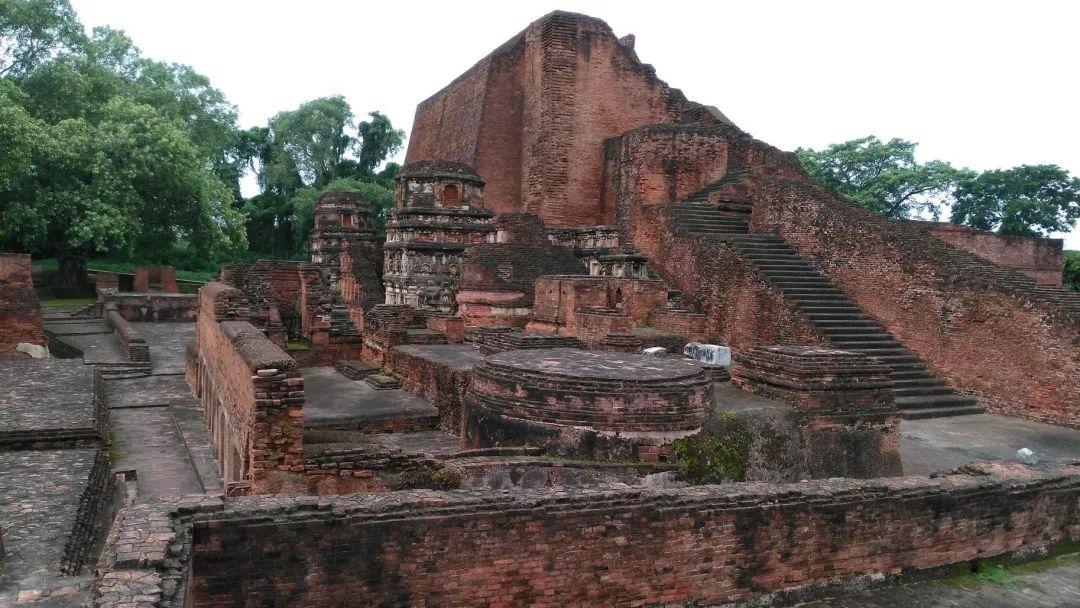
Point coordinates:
[(105, 151), (883, 176), (305, 152), (1029, 200)]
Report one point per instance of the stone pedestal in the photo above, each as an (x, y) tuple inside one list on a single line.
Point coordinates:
[(586, 404), (849, 423)]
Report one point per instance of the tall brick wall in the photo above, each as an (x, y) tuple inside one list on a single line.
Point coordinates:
[(20, 312), (1017, 351), (598, 547), (251, 390), (1038, 258), (532, 117)]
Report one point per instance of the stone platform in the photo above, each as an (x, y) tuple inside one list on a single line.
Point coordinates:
[(336, 402), (49, 502), (50, 403), (586, 404)]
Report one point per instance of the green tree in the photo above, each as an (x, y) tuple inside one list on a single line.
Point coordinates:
[(134, 179), (1029, 200), (33, 31), (1071, 278), (313, 138), (883, 176)]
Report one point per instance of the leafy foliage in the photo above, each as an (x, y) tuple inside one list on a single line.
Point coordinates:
[(1029, 200), (308, 151), (714, 457), (883, 176), (32, 31), (1072, 270), (109, 151)]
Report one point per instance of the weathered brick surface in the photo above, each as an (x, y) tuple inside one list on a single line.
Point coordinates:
[(590, 404), (251, 390), (20, 313), (599, 547), (847, 418), (1013, 346), (532, 116), (140, 307), (1039, 258), (444, 385), (155, 278), (498, 280)]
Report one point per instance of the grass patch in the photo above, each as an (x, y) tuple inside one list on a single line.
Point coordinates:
[(63, 303), (291, 345), (1009, 575)]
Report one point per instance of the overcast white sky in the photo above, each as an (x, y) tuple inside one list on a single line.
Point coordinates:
[(981, 84)]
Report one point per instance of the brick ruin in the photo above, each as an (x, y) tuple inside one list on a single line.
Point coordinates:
[(473, 409), (20, 312), (438, 213)]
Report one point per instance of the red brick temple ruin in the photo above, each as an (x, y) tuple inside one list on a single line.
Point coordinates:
[(513, 397)]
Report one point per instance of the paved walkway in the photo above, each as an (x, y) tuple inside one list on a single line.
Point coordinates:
[(158, 428), (1051, 583), (938, 444)]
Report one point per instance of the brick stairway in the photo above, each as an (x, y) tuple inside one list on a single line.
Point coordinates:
[(719, 210)]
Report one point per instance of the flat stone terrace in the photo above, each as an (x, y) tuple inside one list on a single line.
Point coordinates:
[(90, 337), (40, 496), (48, 400), (336, 402), (456, 356), (1053, 582), (167, 343)]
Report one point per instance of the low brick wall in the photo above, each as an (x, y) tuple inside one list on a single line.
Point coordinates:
[(251, 390), (92, 501), (443, 385), (134, 345), (620, 547), (139, 307), (1038, 258)]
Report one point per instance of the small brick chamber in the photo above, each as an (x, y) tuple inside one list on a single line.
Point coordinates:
[(849, 423), (586, 404)]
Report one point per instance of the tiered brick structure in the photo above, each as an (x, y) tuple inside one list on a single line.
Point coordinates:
[(20, 312), (532, 117), (438, 213), (848, 419), (343, 227), (586, 403)]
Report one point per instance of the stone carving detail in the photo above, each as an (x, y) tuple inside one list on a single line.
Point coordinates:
[(438, 214)]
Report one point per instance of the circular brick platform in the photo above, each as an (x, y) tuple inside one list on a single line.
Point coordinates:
[(586, 404)]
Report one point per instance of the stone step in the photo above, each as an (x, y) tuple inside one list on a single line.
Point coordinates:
[(951, 399), (921, 391), (900, 375), (927, 381), (798, 292), (894, 361), (732, 230), (827, 318), (917, 366), (878, 349), (939, 412)]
